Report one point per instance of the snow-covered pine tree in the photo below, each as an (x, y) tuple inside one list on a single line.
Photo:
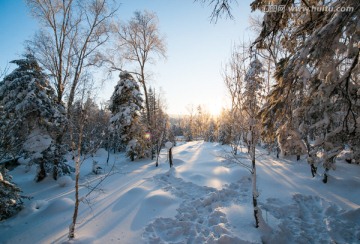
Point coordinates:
[(325, 76), (29, 105), (126, 130)]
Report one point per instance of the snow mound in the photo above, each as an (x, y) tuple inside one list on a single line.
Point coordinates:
[(311, 219), (47, 208), (134, 192), (159, 198), (65, 181), (59, 205), (38, 204), (155, 204), (178, 162), (37, 141)]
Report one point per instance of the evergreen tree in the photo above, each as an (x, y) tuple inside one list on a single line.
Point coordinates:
[(29, 105), (317, 89), (127, 132), (10, 199)]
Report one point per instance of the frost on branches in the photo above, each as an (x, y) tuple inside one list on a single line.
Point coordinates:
[(127, 132), (252, 95), (318, 87), (290, 141), (30, 116)]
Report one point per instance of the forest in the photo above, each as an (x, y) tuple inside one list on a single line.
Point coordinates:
[(294, 103)]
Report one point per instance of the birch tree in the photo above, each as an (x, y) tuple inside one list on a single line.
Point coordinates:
[(252, 102), (70, 40)]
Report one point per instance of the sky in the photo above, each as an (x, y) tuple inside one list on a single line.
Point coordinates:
[(196, 48)]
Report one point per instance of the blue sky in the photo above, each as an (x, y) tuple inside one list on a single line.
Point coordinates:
[(196, 48)]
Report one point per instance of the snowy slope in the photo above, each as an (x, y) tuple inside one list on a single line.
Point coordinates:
[(202, 199)]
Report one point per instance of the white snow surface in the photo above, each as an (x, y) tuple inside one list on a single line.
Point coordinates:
[(202, 199), (37, 142)]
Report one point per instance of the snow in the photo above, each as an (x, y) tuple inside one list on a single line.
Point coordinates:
[(202, 199), (168, 145), (37, 142), (65, 181)]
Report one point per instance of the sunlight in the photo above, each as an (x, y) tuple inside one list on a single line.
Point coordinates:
[(147, 135), (216, 183), (221, 170)]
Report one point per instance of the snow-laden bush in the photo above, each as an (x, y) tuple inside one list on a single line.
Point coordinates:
[(65, 181), (10, 199)]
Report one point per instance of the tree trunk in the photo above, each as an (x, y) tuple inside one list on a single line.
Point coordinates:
[(76, 208), (147, 105), (313, 170), (170, 157), (325, 179), (42, 173), (77, 176), (157, 156), (56, 169), (108, 156), (58, 153), (254, 190), (153, 153)]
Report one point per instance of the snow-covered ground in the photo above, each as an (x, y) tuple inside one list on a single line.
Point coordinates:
[(203, 199)]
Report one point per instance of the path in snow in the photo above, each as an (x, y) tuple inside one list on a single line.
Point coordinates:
[(223, 213), (201, 217), (200, 200)]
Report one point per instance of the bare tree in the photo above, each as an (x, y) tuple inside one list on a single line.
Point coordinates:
[(139, 41), (234, 73), (69, 42)]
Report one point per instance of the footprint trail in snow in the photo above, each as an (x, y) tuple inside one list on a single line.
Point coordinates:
[(198, 220)]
